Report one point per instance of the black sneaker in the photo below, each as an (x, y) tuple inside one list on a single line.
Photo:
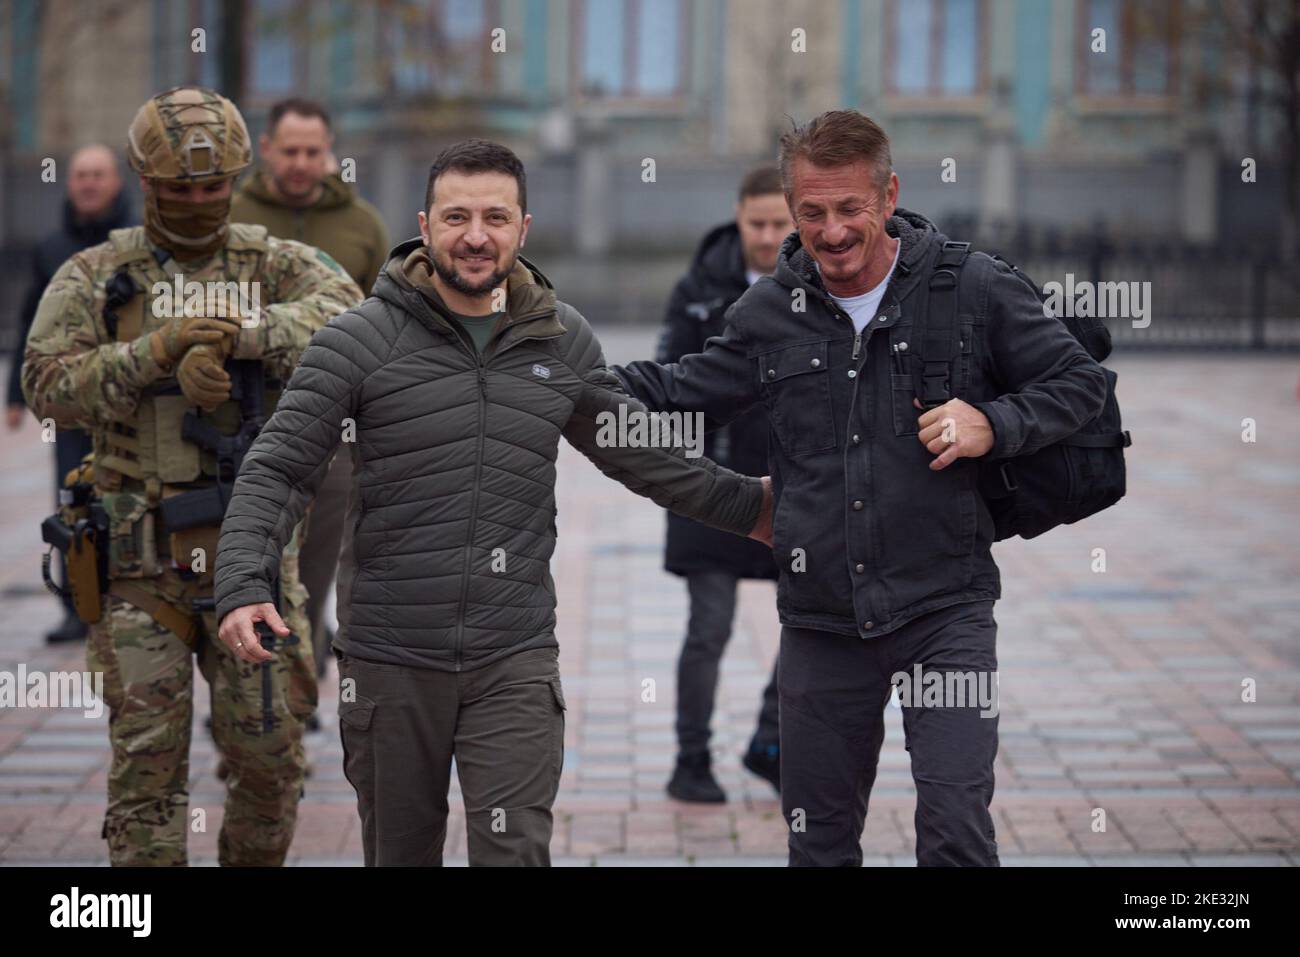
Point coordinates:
[(693, 780), (765, 761), (71, 628)]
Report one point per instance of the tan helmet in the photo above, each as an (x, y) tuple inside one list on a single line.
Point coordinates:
[(188, 133)]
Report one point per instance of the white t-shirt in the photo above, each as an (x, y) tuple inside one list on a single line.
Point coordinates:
[(862, 309), (753, 275)]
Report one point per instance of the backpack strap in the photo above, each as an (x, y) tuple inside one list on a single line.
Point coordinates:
[(936, 329)]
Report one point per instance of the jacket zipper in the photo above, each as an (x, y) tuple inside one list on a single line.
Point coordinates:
[(478, 473), (473, 512)]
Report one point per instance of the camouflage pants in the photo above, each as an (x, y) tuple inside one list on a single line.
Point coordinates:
[(149, 689)]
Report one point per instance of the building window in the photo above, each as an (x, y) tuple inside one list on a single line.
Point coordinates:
[(176, 62), (274, 59), (937, 47), (1140, 58), (410, 39), (631, 48), (466, 60), (440, 45)]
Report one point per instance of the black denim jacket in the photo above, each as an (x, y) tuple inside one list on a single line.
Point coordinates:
[(866, 535)]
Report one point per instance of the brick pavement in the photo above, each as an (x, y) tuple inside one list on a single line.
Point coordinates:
[(1120, 691)]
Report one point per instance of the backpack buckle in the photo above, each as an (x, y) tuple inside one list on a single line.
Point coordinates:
[(934, 390)]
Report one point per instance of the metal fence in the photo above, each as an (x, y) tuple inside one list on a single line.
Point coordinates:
[(1229, 296)]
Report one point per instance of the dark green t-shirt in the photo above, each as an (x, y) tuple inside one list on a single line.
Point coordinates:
[(479, 327)]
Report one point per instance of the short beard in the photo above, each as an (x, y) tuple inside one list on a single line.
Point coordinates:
[(282, 187), (447, 273)]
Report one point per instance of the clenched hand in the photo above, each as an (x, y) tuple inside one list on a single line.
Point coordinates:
[(953, 431)]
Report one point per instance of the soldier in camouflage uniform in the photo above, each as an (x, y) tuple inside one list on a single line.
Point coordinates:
[(108, 352)]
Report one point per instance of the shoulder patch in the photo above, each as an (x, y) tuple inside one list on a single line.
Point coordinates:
[(328, 260)]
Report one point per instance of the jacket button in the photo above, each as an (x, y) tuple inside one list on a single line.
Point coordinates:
[(852, 374), (860, 568), (902, 347), (856, 440), (868, 625), (816, 363), (771, 373), (857, 506)]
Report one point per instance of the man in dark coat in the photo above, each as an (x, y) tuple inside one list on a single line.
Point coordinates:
[(881, 534), (94, 205), (729, 260)]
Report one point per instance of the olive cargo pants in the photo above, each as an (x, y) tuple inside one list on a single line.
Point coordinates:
[(504, 723)]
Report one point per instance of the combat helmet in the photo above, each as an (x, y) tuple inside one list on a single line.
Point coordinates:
[(189, 133)]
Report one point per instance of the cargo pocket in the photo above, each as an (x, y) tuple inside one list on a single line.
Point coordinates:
[(798, 386), (557, 751), (558, 693), (355, 719)]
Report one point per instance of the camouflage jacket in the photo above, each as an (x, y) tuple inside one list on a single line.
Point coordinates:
[(77, 374)]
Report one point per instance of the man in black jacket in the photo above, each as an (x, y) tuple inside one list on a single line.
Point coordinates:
[(95, 205), (730, 259), (880, 533)]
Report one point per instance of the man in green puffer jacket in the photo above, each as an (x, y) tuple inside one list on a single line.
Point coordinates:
[(450, 387)]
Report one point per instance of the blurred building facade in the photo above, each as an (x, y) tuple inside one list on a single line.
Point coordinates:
[(1007, 94)]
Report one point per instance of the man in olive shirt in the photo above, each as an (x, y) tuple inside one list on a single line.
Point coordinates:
[(296, 196), (478, 327)]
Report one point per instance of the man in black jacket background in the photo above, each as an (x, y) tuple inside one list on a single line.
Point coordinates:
[(883, 541), (730, 259), (94, 206)]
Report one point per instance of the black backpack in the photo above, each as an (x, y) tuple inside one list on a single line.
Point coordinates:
[(1057, 485)]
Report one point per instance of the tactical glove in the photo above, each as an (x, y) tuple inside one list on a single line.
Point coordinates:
[(169, 343), (202, 378)]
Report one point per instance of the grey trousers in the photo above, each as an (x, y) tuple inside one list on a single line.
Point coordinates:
[(834, 691), (503, 723)]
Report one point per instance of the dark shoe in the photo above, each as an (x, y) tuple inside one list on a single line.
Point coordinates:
[(765, 761), (693, 780), (72, 628)]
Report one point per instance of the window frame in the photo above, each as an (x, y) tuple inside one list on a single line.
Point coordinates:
[(934, 98), (624, 100), (1128, 98)]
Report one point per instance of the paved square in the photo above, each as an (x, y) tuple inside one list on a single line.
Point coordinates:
[(1125, 738)]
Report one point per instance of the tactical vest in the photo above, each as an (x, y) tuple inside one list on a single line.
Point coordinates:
[(147, 446), (144, 456)]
